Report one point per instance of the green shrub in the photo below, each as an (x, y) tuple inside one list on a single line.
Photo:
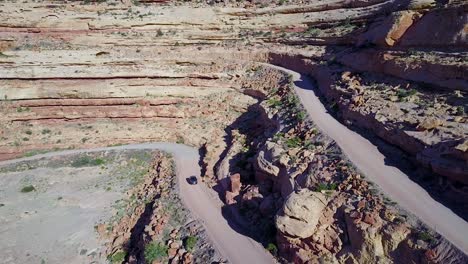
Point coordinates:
[(45, 131), (272, 102), (301, 115), (155, 251), (293, 100), (425, 236), (117, 257), (27, 189), (190, 243), (293, 142), (272, 248)]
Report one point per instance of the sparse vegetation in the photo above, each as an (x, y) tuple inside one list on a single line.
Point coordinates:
[(87, 162)]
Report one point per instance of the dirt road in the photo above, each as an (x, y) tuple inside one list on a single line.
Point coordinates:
[(368, 159), (200, 200)]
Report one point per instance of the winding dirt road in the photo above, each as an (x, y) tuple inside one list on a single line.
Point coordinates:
[(200, 200), (368, 159)]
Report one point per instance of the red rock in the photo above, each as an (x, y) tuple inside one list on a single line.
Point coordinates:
[(235, 183), (369, 218), (361, 204), (356, 221), (355, 215), (430, 254), (159, 228)]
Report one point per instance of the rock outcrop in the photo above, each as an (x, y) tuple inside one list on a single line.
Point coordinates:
[(300, 213)]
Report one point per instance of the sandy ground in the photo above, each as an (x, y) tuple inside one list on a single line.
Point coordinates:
[(368, 159), (55, 223), (201, 201)]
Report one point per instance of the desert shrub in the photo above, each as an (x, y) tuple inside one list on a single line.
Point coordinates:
[(278, 136), (460, 110), (301, 115), (272, 249), (293, 142), (272, 102), (27, 189), (155, 251), (180, 140), (87, 162), (402, 93), (45, 131), (325, 187), (22, 109), (425, 236), (190, 243), (117, 257)]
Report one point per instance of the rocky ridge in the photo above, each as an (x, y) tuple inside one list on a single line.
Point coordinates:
[(152, 214)]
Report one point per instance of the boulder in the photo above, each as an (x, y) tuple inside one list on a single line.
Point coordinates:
[(429, 123), (300, 213), (392, 29)]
